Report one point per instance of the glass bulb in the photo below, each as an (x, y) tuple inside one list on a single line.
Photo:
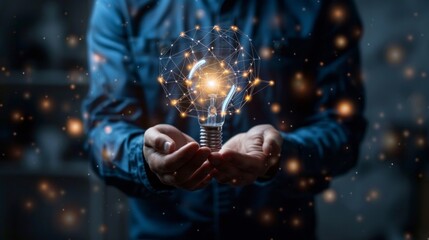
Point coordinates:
[(211, 85)]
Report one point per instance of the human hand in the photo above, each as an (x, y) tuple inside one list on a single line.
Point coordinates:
[(247, 156), (175, 158)]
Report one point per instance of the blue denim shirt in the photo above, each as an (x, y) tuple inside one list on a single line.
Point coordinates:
[(310, 49)]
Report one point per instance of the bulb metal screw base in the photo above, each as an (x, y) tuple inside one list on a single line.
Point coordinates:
[(211, 137)]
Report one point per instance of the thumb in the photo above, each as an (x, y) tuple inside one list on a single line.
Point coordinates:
[(272, 142), (159, 141)]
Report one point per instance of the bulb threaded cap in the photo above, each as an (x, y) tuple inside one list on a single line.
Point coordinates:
[(211, 137)]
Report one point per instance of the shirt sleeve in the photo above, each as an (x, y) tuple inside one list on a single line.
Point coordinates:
[(328, 142), (113, 109)]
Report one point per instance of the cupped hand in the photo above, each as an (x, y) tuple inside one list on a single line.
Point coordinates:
[(175, 158), (247, 156)]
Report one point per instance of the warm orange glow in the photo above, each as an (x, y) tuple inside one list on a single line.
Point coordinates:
[(372, 195), (266, 52), (345, 109), (338, 14), (174, 102), (341, 42), (97, 58), (160, 79), (74, 127), (394, 54), (46, 104), (256, 82), (29, 204), (329, 196), (293, 166), (275, 108), (43, 186), (69, 218)]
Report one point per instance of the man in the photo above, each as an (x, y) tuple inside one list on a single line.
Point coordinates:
[(312, 118)]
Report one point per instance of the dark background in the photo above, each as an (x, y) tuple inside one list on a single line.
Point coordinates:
[(48, 191)]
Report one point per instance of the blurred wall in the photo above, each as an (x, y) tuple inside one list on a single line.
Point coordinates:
[(383, 197)]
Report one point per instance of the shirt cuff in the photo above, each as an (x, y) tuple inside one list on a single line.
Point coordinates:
[(140, 169)]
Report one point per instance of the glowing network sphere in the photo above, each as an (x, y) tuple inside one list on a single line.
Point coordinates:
[(210, 71)]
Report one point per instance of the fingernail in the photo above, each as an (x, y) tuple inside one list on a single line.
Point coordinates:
[(167, 146)]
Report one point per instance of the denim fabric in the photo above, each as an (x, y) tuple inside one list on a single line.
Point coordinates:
[(313, 75)]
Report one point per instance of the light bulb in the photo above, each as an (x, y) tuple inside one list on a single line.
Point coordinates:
[(209, 72), (212, 84)]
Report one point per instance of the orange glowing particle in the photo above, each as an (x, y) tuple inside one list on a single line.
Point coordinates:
[(46, 104), (256, 81), (74, 127), (174, 102), (345, 109), (16, 116), (160, 80), (341, 42), (266, 52), (102, 229), (69, 218), (29, 205), (394, 54), (72, 41), (338, 14), (275, 108), (217, 28), (248, 98), (293, 166), (97, 58), (43, 186), (182, 34), (183, 114), (409, 72), (372, 195), (329, 196), (296, 222), (271, 83), (234, 28), (267, 217)]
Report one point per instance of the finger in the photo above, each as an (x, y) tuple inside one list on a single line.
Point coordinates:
[(244, 162), (202, 174), (272, 142), (162, 143), (171, 162), (188, 169), (215, 158), (178, 136)]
